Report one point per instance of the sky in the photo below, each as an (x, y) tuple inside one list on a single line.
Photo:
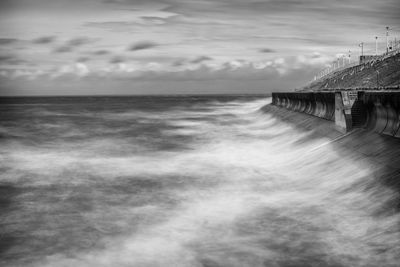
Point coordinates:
[(102, 47)]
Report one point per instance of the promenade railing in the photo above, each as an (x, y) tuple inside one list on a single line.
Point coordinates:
[(345, 62)]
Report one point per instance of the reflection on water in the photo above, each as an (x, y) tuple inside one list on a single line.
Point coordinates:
[(166, 181)]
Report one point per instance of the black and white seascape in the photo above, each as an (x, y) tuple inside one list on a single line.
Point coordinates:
[(150, 133), (183, 181)]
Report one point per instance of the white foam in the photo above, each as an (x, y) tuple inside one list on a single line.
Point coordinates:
[(253, 176)]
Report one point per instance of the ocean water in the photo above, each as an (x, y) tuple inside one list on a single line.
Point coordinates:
[(182, 181)]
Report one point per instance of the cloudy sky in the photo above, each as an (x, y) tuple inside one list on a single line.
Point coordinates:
[(64, 47)]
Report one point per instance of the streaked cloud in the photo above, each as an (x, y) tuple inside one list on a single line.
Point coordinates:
[(79, 41), (143, 45), (267, 50), (11, 60), (8, 41), (101, 52), (44, 40), (71, 44), (83, 59), (200, 59), (63, 49), (6, 57), (117, 59), (152, 78), (186, 70)]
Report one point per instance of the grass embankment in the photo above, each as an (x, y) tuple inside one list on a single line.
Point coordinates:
[(378, 73)]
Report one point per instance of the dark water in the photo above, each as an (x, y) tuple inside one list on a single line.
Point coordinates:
[(181, 181)]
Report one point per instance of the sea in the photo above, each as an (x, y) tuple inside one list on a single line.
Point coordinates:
[(183, 181)]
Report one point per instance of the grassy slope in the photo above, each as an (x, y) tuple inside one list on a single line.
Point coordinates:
[(362, 76)]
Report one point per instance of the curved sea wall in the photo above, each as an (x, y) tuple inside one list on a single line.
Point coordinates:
[(381, 112), (373, 110), (317, 104)]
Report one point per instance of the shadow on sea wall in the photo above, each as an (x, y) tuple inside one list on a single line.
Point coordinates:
[(379, 151)]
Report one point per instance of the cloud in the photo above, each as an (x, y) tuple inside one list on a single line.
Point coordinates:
[(200, 59), (101, 52), (263, 32), (111, 25), (143, 15), (11, 60), (183, 69), (78, 69), (138, 77), (5, 57), (142, 45), (139, 21), (316, 55), (117, 59), (44, 40), (152, 20), (82, 59), (63, 49), (79, 41), (267, 50), (178, 63), (231, 70), (72, 44), (7, 41)]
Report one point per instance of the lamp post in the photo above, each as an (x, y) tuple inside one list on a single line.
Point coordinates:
[(376, 45), (349, 56), (387, 39)]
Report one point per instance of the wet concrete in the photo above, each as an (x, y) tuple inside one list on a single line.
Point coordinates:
[(381, 151)]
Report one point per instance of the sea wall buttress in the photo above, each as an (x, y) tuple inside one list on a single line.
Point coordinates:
[(382, 112)]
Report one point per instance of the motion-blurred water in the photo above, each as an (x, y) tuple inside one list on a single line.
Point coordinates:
[(181, 181)]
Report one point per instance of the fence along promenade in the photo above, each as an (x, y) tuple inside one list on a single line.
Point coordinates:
[(346, 63)]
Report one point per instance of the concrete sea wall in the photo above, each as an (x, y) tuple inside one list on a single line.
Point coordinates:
[(383, 112), (377, 111), (317, 104)]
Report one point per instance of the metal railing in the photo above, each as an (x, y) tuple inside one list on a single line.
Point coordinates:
[(345, 62), (372, 88)]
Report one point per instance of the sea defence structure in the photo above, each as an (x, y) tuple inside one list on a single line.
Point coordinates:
[(378, 111), (366, 96)]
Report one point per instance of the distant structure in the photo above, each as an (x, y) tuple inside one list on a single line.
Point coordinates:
[(344, 61), (366, 58), (365, 94)]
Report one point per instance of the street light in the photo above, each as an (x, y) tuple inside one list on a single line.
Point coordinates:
[(387, 39), (349, 56), (376, 45)]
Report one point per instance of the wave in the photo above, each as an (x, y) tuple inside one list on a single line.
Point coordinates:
[(209, 184)]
